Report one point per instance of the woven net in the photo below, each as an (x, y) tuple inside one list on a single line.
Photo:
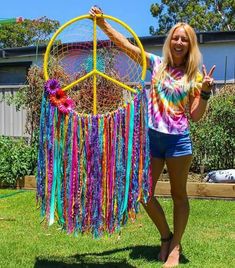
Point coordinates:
[(73, 51)]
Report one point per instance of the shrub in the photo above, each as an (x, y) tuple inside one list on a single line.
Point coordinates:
[(17, 159), (29, 98), (214, 136)]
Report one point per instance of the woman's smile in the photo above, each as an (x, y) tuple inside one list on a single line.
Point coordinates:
[(179, 45)]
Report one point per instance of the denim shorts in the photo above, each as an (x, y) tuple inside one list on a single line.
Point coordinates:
[(169, 145)]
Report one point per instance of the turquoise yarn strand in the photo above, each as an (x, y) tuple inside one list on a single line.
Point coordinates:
[(129, 156)]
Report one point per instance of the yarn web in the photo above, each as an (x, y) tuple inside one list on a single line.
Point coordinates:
[(93, 161)]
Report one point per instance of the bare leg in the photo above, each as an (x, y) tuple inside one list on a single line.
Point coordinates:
[(155, 211), (178, 168)]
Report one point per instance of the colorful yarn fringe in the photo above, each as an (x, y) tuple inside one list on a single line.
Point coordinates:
[(93, 170)]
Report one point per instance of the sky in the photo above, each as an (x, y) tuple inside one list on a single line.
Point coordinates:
[(135, 13)]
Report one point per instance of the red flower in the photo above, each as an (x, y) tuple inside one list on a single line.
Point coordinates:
[(58, 98)]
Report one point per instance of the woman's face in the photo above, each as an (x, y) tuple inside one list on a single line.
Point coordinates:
[(179, 44)]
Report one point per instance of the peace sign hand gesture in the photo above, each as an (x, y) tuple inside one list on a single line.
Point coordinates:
[(208, 80)]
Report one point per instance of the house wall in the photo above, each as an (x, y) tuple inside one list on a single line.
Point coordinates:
[(12, 122), (13, 72), (216, 53), (212, 53)]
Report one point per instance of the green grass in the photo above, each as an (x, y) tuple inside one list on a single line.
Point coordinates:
[(25, 242)]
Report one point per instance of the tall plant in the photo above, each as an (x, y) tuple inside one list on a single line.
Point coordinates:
[(29, 96), (214, 136), (17, 159)]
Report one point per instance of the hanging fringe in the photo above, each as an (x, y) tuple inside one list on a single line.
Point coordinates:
[(93, 171)]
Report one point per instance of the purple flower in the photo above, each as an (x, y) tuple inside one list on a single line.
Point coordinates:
[(52, 86)]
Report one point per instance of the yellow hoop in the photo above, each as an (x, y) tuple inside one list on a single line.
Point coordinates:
[(95, 71)]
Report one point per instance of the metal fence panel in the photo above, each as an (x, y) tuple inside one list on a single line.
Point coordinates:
[(12, 122)]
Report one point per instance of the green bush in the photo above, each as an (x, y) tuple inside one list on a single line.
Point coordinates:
[(17, 159), (214, 136)]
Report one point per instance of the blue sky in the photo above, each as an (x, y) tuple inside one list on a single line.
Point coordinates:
[(135, 13)]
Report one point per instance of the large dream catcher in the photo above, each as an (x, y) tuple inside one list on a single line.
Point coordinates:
[(93, 163)]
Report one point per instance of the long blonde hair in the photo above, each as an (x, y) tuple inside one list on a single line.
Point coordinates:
[(193, 58)]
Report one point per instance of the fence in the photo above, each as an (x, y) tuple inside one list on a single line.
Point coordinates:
[(12, 122)]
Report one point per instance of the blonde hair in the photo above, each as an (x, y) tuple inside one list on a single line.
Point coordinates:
[(193, 58)]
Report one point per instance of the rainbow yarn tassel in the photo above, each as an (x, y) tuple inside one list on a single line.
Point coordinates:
[(93, 170)]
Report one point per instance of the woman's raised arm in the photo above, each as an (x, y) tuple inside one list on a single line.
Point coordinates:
[(117, 38)]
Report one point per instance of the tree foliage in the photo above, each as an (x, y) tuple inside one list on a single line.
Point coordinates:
[(206, 15), (27, 33)]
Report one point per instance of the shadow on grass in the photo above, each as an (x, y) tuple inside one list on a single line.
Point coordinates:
[(82, 264), (104, 259)]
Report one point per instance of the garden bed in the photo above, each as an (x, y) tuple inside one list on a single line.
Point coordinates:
[(195, 187), (200, 189), (27, 182)]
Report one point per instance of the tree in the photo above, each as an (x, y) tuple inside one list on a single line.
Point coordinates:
[(207, 15), (27, 33)]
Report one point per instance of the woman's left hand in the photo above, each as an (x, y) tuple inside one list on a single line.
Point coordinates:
[(208, 80)]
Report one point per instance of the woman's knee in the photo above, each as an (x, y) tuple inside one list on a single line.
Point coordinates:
[(179, 195)]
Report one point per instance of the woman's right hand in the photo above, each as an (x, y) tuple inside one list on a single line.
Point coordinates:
[(116, 37), (95, 10)]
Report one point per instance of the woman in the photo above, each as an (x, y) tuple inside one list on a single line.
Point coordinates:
[(175, 85)]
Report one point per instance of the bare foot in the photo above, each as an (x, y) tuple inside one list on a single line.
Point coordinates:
[(165, 246), (173, 258), (164, 251)]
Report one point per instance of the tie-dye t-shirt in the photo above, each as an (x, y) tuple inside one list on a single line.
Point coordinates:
[(168, 99)]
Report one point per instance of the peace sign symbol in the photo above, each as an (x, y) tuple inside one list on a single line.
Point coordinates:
[(92, 46)]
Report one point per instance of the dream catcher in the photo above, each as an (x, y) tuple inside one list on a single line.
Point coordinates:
[(93, 163)]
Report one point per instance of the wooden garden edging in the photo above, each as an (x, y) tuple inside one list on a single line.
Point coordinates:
[(27, 182), (195, 189)]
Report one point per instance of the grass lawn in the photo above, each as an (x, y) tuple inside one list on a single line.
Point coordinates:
[(209, 240)]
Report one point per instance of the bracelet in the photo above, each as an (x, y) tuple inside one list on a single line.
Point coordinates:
[(205, 95)]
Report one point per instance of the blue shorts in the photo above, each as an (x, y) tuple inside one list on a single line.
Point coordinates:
[(169, 145)]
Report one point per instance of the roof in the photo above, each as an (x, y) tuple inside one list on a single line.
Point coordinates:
[(203, 37), (21, 51)]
